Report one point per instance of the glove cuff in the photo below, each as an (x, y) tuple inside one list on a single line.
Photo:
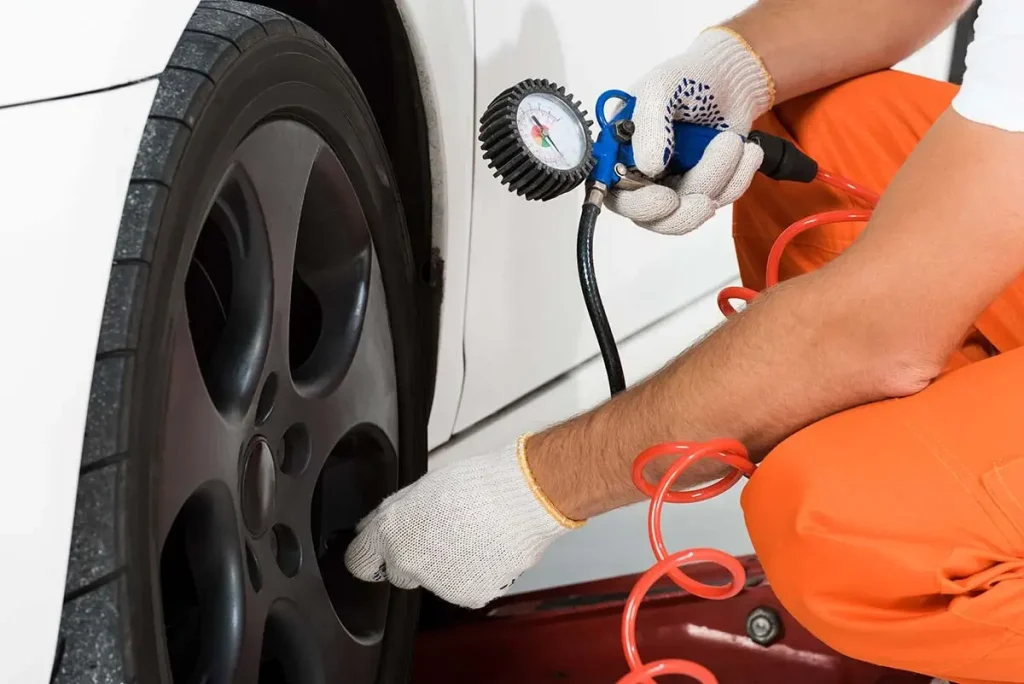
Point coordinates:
[(538, 493), (740, 68)]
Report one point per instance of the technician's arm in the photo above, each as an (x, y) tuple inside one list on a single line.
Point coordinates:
[(810, 44), (877, 322)]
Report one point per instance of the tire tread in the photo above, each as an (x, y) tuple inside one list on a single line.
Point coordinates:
[(176, 97), (106, 430), (272, 21), (136, 235), (231, 26), (90, 632), (163, 141), (122, 317), (95, 553), (204, 53)]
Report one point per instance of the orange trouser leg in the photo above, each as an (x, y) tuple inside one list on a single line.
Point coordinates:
[(893, 531)]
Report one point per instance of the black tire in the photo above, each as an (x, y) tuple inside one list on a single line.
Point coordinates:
[(236, 67)]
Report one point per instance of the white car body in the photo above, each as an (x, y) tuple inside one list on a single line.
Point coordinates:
[(76, 85)]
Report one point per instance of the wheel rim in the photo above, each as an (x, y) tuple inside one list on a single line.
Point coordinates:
[(281, 427)]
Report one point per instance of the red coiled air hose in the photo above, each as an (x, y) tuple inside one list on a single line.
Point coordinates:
[(728, 451)]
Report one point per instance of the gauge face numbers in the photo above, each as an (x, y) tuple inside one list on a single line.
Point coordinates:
[(551, 130)]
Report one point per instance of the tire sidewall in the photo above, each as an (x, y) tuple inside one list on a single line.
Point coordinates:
[(281, 77)]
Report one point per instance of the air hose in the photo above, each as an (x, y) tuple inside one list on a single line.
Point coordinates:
[(592, 297), (783, 161)]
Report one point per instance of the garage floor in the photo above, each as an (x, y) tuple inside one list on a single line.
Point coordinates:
[(570, 635)]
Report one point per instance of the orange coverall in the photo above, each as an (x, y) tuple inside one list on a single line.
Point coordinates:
[(893, 531)]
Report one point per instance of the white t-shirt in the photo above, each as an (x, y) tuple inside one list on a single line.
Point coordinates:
[(993, 85)]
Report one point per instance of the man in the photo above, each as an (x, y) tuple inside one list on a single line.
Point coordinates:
[(882, 377)]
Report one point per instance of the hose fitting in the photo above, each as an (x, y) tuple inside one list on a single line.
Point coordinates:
[(783, 160)]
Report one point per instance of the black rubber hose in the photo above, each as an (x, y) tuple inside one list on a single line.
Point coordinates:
[(782, 161), (591, 295)]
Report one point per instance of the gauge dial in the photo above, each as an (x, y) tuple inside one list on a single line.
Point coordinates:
[(552, 131), (537, 139)]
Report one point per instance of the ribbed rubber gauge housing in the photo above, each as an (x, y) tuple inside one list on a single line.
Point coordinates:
[(505, 130)]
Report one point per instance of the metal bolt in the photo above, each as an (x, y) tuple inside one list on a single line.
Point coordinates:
[(764, 626), (761, 626), (624, 130)]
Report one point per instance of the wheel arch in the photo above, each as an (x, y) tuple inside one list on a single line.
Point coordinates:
[(372, 38)]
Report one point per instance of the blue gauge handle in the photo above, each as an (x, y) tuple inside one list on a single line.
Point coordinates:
[(782, 159), (613, 144)]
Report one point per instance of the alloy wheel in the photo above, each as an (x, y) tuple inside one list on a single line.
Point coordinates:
[(281, 427)]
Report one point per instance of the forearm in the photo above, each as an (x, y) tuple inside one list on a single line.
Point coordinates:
[(811, 44), (784, 362)]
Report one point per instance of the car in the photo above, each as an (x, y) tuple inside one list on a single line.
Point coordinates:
[(253, 271)]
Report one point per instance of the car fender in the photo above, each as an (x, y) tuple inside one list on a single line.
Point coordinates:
[(68, 47), (442, 38)]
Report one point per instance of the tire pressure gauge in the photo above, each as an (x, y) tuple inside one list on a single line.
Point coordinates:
[(537, 139)]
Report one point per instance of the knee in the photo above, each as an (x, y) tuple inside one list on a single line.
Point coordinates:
[(820, 511), (886, 536)]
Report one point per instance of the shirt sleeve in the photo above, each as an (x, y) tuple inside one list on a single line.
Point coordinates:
[(993, 83)]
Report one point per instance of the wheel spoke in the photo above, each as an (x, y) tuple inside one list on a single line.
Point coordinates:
[(368, 394), (350, 661), (345, 657), (199, 445), (278, 158), (352, 465), (330, 286), (203, 587), (247, 668), (293, 651)]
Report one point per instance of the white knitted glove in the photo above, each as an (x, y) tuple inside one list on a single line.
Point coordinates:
[(464, 532), (719, 82)]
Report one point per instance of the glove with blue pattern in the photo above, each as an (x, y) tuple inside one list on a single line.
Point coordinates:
[(718, 82)]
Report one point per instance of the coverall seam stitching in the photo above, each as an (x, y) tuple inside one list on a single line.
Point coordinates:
[(1010, 631), (998, 471), (939, 453)]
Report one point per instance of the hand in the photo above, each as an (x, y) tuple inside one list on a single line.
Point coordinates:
[(464, 532), (719, 82)]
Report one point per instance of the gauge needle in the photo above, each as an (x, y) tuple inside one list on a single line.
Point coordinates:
[(544, 134)]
